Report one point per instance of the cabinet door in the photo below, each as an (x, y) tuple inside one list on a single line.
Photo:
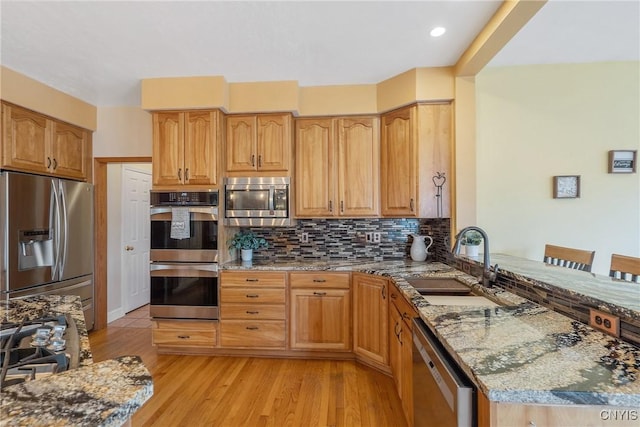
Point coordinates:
[(274, 142), (406, 370), (26, 140), (201, 148), (241, 143), (320, 319), (69, 147), (315, 168), (358, 166), (398, 160), (168, 148), (371, 337)]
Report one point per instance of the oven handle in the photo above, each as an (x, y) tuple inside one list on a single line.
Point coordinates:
[(210, 268), (208, 210), (272, 196)]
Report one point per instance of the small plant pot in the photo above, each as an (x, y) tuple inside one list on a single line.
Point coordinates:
[(246, 254), (471, 250)]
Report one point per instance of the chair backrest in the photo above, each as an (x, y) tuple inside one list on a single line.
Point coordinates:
[(625, 268), (577, 259)]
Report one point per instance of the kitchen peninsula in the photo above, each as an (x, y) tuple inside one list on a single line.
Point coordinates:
[(93, 394), (521, 356)]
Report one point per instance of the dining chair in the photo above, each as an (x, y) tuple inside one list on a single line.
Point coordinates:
[(577, 259), (625, 268)]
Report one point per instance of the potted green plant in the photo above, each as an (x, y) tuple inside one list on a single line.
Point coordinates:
[(471, 241), (247, 241)]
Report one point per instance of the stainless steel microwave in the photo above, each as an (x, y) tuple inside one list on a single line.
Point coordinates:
[(257, 201)]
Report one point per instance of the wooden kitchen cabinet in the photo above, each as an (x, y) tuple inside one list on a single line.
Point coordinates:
[(259, 144), (337, 167), (36, 143), (186, 148), (320, 311), (371, 321), (401, 313), (415, 147), (253, 309)]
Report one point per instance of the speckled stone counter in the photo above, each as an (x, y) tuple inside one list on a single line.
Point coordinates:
[(517, 352), (94, 394)]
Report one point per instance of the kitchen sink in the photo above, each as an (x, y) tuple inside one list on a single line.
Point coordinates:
[(439, 286)]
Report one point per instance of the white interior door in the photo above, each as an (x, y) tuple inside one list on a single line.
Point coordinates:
[(135, 238)]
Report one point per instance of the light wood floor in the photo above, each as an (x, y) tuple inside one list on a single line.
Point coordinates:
[(238, 391)]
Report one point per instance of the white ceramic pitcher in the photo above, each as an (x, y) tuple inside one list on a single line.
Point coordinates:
[(419, 249)]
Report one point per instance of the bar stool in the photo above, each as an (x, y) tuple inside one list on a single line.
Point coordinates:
[(625, 268), (577, 259)]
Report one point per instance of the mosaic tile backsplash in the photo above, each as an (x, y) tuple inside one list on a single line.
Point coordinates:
[(346, 239)]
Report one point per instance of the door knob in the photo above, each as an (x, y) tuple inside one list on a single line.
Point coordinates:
[(128, 248)]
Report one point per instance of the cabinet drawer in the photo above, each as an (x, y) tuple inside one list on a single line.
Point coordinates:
[(252, 295), (405, 308), (184, 337), (319, 280), (247, 333), (272, 279), (252, 311)]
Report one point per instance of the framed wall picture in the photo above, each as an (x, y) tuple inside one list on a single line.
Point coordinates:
[(566, 186), (622, 161)]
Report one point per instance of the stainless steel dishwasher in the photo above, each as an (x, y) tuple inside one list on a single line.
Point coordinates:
[(442, 394)]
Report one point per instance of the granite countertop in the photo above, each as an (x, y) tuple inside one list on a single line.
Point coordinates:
[(516, 352), (95, 394)]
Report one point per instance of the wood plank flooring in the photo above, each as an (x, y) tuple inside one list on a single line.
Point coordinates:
[(240, 391)]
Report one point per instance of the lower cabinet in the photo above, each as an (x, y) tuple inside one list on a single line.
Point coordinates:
[(320, 311), (370, 319), (401, 349), (185, 334), (252, 310)]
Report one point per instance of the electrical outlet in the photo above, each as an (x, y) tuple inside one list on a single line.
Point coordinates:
[(605, 322), (368, 237), (376, 237), (304, 238)]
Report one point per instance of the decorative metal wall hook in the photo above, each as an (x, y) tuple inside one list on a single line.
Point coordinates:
[(438, 180)]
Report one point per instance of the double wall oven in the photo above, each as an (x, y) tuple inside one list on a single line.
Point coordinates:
[(184, 254)]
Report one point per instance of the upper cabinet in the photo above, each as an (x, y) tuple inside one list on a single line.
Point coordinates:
[(186, 148), (35, 143), (415, 161), (258, 145), (337, 167)]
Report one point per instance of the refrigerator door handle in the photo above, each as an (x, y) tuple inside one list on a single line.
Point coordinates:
[(54, 219), (65, 221)]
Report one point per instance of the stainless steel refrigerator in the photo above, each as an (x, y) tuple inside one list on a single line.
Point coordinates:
[(46, 238)]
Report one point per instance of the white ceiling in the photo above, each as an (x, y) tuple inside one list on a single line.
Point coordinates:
[(99, 51)]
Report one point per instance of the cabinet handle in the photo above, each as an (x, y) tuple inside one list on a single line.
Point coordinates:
[(179, 174), (252, 296), (55, 164), (184, 337), (186, 174), (319, 280), (384, 292), (251, 280), (260, 160), (253, 160), (252, 328), (48, 162), (394, 296), (253, 312), (320, 294), (342, 206), (405, 315), (330, 206), (411, 204)]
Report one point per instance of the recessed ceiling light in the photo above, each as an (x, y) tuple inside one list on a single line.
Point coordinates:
[(437, 31)]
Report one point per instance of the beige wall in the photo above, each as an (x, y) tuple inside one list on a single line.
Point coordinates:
[(29, 93), (123, 132), (535, 122)]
